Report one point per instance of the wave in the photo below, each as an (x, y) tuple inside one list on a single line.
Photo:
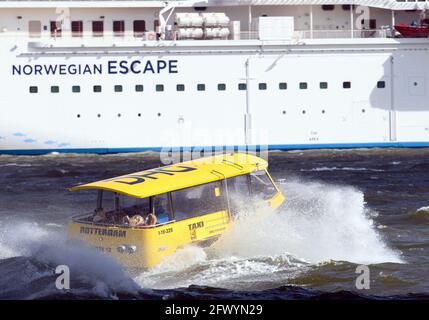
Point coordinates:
[(341, 169), (318, 223), (34, 252), (420, 214)]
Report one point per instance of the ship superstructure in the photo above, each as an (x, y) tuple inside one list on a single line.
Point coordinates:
[(116, 76)]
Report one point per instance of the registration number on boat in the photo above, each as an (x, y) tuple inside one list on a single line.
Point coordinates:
[(165, 231)]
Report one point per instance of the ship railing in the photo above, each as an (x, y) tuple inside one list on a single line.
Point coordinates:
[(151, 37), (343, 34)]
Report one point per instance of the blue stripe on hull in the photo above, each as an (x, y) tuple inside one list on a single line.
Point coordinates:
[(242, 148)]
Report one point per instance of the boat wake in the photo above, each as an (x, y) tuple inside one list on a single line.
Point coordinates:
[(318, 224)]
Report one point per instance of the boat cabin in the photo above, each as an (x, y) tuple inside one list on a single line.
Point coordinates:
[(142, 217)]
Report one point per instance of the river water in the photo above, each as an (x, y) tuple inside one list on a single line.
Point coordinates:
[(343, 208)]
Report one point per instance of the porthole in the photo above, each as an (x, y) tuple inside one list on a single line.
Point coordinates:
[(363, 110), (96, 88), (262, 86), (180, 87), (139, 88), (159, 114), (75, 89), (221, 87), (159, 87), (323, 111), (78, 115), (242, 86), (284, 111), (347, 85), (282, 85), (119, 115), (98, 115), (201, 87), (303, 85), (55, 89), (118, 88), (139, 115), (33, 89), (303, 112), (323, 85), (381, 84)]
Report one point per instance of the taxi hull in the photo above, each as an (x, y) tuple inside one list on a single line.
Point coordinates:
[(146, 247)]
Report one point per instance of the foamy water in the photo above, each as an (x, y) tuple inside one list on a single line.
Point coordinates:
[(317, 223)]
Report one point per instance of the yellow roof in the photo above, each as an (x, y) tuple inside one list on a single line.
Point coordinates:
[(179, 176)]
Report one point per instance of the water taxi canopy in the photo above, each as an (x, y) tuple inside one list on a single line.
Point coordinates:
[(161, 180)]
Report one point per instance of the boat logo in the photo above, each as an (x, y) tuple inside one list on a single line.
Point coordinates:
[(196, 225)]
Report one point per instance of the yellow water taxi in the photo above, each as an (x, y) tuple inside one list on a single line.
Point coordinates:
[(143, 217)]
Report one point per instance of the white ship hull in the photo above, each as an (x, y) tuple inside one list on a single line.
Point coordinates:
[(376, 95)]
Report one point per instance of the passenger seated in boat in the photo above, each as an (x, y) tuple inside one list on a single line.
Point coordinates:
[(100, 216), (151, 219), (413, 23), (135, 221)]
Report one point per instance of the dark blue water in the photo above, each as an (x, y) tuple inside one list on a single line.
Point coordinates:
[(343, 209)]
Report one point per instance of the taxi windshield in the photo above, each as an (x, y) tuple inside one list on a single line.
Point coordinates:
[(120, 208)]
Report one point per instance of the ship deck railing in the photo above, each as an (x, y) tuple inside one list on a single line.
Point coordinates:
[(252, 35)]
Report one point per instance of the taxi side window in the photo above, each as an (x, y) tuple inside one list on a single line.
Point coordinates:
[(261, 186), (161, 208), (239, 185), (197, 201)]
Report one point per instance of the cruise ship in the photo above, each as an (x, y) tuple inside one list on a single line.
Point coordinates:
[(125, 76)]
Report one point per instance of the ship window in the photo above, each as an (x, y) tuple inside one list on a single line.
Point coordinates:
[(139, 28), (33, 89), (262, 86), (97, 88), (34, 28), (242, 86), (159, 87), (118, 88), (346, 7), (197, 201), (118, 28), (139, 87), (76, 89), (77, 28), (55, 29), (369, 24), (221, 86), (97, 28), (55, 89), (180, 87), (261, 185), (328, 7), (303, 85), (381, 84), (347, 85), (282, 85), (323, 85), (201, 87)]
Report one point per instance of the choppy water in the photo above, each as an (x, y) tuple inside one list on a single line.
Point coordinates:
[(343, 209)]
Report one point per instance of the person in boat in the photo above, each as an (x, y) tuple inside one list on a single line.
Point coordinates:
[(413, 23), (138, 221), (100, 216), (151, 219)]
